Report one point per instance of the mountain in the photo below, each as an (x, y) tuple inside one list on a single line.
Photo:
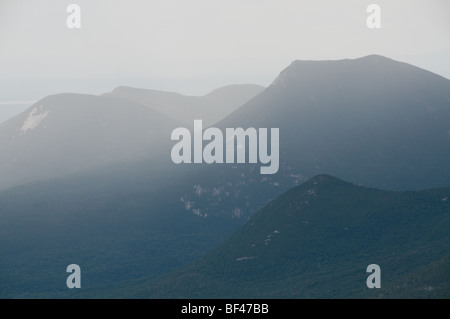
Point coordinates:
[(210, 108), (372, 121), (316, 241), (89, 179), (66, 133)]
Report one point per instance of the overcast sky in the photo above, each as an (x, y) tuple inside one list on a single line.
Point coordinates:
[(193, 46)]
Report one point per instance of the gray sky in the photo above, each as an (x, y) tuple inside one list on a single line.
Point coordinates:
[(194, 46)]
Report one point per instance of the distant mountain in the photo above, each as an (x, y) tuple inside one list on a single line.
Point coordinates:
[(316, 241), (67, 133), (372, 121), (97, 186), (210, 108)]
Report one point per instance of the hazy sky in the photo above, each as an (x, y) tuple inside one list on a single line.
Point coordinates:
[(193, 46)]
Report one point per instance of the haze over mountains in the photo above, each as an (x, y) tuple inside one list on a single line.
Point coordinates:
[(66, 133), (372, 121), (106, 194), (210, 108)]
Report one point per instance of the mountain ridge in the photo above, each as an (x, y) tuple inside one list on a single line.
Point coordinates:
[(65, 133), (210, 107), (146, 217), (315, 241), (378, 106)]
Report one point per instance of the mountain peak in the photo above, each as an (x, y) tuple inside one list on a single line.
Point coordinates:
[(322, 183), (372, 70), (367, 58), (310, 70), (324, 179), (374, 57)]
